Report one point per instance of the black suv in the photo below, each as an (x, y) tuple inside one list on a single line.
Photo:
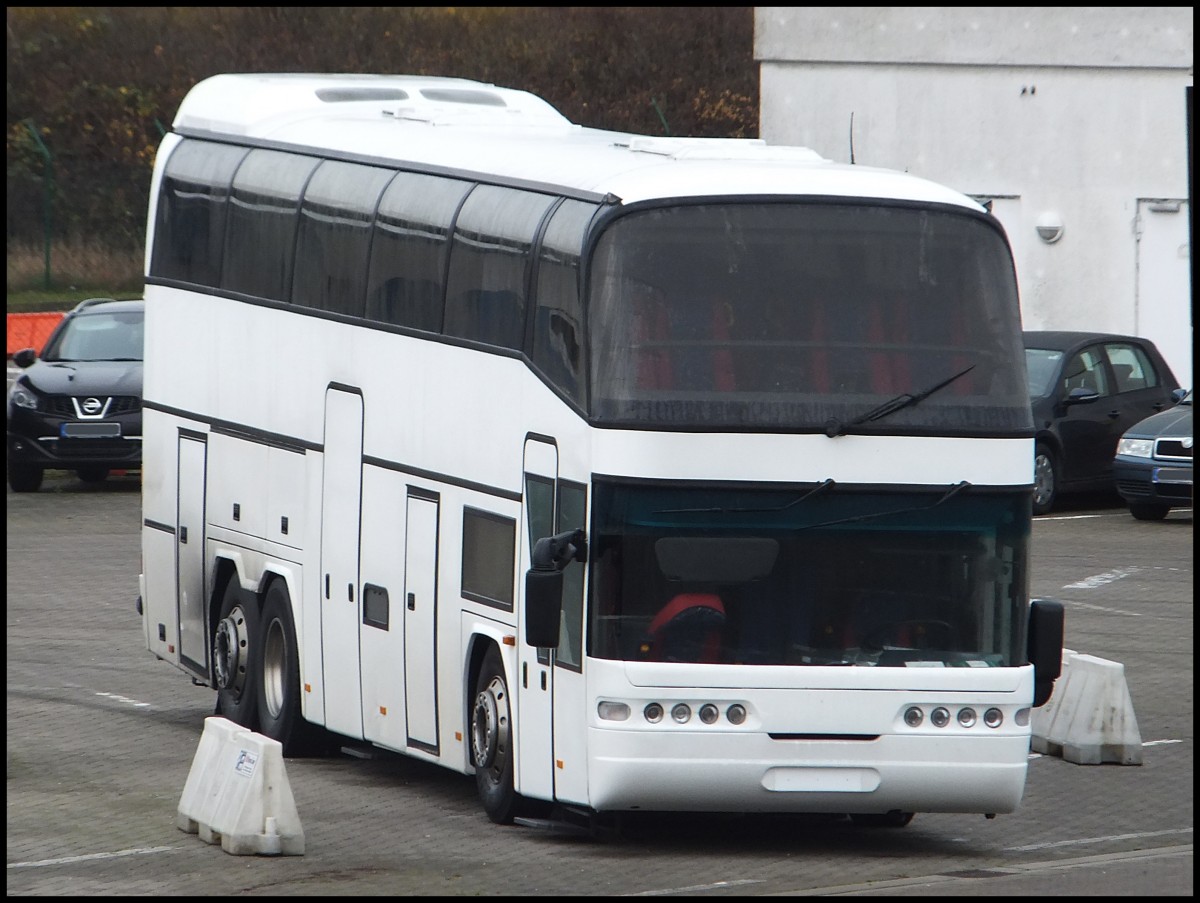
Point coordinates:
[(79, 405)]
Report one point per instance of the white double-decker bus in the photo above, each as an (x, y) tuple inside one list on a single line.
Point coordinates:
[(621, 472)]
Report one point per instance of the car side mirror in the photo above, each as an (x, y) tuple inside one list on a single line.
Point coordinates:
[(1081, 395), (24, 357)]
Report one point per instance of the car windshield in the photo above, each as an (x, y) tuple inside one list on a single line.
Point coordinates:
[(1042, 365), (98, 336)]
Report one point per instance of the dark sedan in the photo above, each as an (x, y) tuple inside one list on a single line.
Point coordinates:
[(1087, 389), (78, 405), (1153, 467)]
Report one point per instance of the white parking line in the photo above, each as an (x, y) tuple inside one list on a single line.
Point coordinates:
[(67, 860), (1141, 835), (1102, 579)]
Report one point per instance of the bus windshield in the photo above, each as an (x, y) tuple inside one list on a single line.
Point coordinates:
[(792, 315), (813, 575)]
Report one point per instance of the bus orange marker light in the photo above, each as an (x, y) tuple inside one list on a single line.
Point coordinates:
[(509, 641)]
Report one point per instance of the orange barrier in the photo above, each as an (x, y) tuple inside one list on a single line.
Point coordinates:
[(30, 330)]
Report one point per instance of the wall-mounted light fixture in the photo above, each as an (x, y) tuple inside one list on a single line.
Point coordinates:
[(1049, 227)]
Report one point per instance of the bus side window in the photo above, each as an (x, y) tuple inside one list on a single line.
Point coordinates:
[(409, 244), (335, 236), (490, 255), (558, 339), (416, 303)]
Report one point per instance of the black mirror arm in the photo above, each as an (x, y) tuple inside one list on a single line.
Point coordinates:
[(554, 553)]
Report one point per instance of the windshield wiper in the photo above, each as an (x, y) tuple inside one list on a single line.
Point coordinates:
[(835, 427), (950, 493), (820, 487)]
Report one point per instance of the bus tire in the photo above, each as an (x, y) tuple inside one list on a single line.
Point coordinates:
[(893, 819), (236, 654), (278, 685), (491, 741), (1045, 478)]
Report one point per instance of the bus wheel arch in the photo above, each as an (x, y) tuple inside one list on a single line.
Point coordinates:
[(236, 649), (490, 732)]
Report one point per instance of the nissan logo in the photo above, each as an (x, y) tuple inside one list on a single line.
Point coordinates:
[(91, 406)]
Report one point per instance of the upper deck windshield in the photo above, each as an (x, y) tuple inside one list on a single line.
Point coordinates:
[(808, 576), (794, 315)]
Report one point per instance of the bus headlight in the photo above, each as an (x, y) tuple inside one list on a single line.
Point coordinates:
[(913, 716), (708, 713), (681, 713), (993, 717), (939, 717), (736, 714), (966, 717), (653, 712)]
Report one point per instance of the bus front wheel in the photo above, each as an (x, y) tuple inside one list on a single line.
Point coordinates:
[(491, 741), (236, 654)]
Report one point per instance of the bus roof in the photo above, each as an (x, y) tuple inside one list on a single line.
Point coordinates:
[(485, 130)]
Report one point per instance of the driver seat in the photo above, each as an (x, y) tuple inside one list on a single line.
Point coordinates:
[(687, 629)]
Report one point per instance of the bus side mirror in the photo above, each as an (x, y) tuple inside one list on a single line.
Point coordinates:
[(544, 585), (543, 606), (1045, 646)]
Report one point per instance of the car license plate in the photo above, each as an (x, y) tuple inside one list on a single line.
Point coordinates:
[(90, 430), (1172, 475)]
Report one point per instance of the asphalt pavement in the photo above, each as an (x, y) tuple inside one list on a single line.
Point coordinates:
[(101, 738)]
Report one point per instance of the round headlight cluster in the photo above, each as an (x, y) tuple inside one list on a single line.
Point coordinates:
[(681, 712), (914, 716)]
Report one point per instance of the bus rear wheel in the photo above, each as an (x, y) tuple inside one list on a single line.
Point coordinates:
[(491, 741), (278, 687), (236, 654)]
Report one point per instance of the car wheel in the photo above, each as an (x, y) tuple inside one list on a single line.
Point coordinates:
[(1148, 510), (24, 477), (1045, 479), (92, 474)]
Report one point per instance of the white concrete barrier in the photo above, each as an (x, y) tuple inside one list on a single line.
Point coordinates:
[(1089, 718), (237, 793)]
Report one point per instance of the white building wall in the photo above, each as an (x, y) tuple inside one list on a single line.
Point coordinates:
[(1077, 113)]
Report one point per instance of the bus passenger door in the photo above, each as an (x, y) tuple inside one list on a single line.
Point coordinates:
[(535, 671), (341, 512), (189, 553)]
